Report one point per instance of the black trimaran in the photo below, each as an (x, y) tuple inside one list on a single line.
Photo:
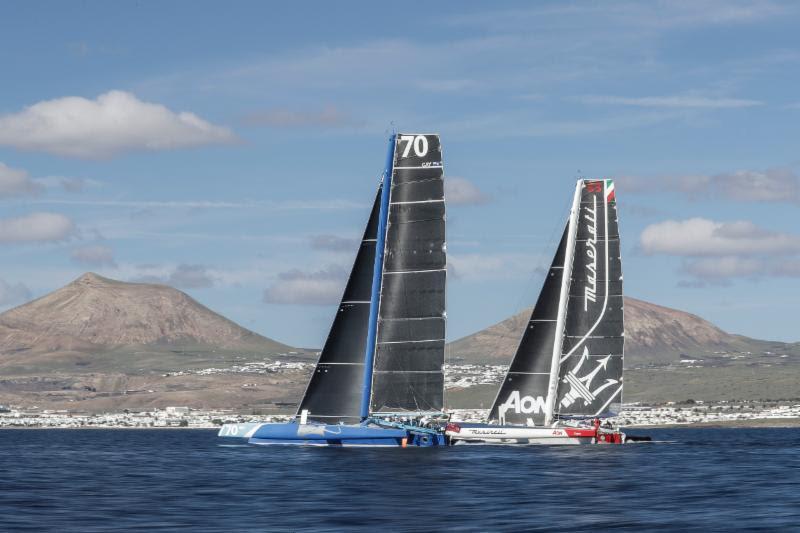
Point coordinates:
[(379, 380)]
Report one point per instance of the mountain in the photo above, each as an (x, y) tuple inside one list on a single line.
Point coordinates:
[(653, 334), (101, 345), (94, 314)]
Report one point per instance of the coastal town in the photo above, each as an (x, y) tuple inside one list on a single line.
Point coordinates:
[(688, 413)]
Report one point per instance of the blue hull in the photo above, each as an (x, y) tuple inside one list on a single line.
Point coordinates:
[(340, 435)]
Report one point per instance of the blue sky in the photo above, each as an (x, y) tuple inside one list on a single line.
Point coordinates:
[(233, 151)]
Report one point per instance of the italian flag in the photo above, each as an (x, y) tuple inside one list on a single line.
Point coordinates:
[(608, 186)]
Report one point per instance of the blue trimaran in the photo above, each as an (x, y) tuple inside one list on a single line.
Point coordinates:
[(379, 380)]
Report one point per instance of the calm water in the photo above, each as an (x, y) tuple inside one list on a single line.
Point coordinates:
[(112, 480)]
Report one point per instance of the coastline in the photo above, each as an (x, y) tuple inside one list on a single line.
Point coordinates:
[(748, 423)]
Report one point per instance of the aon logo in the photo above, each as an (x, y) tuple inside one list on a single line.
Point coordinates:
[(523, 405)]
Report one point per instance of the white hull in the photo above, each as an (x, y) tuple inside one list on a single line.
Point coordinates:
[(522, 435)]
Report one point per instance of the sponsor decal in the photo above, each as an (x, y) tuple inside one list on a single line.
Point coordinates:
[(590, 291), (581, 387), (486, 431), (522, 405)]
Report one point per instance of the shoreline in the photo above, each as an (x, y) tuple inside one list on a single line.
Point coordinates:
[(748, 423), (743, 424)]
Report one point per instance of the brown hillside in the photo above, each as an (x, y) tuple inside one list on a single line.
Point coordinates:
[(652, 334), (95, 312)]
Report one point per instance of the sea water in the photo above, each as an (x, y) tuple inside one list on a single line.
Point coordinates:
[(118, 480)]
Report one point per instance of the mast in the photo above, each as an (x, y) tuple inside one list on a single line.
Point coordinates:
[(374, 304), (552, 387)]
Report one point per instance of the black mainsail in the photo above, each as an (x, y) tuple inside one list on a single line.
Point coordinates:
[(569, 361), (333, 394), (406, 374), (409, 356)]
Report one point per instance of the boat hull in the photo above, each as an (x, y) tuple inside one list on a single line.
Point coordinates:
[(337, 435), (522, 435)]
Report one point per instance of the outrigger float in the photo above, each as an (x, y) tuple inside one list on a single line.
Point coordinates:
[(379, 380)]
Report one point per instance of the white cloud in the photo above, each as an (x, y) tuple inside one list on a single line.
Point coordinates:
[(724, 267), (772, 185), (720, 270), (334, 243), (94, 255), (671, 101), (12, 294), (330, 117), (322, 287), (183, 276), (289, 205), (460, 191), (16, 182), (632, 15), (114, 122), (501, 266), (699, 237), (66, 183), (778, 184), (36, 227)]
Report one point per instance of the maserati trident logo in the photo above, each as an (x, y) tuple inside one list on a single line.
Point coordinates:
[(581, 387)]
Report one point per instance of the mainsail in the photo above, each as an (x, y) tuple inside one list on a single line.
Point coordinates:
[(409, 353), (569, 362), (402, 368), (333, 394)]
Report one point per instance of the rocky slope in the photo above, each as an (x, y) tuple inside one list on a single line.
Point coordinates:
[(94, 314), (653, 334)]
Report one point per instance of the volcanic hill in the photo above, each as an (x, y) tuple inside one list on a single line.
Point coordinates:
[(653, 334), (95, 315)]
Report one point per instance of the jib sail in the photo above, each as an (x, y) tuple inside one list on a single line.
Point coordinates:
[(334, 391)]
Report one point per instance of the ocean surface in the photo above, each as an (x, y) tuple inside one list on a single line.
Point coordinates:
[(159, 480)]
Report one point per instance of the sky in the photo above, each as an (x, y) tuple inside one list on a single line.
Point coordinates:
[(233, 151)]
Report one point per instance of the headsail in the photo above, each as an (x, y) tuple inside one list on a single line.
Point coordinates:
[(521, 399), (409, 356), (582, 363), (333, 393)]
